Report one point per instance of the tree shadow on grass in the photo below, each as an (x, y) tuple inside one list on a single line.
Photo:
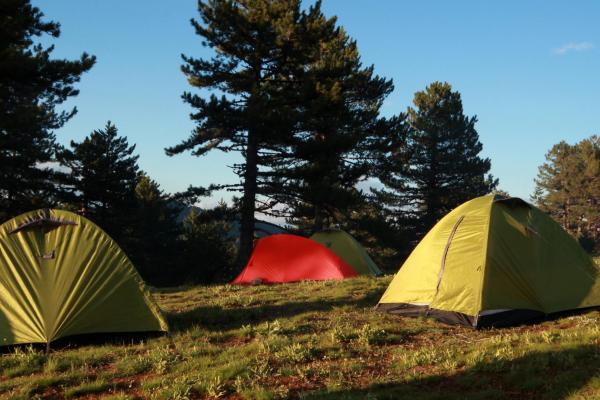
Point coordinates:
[(218, 317), (552, 375)]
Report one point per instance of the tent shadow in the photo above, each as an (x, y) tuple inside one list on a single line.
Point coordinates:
[(217, 317), (553, 375), (547, 318)]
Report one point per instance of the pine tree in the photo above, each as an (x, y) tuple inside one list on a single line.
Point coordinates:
[(102, 180), (338, 122), (260, 51), (207, 246), (568, 188), (32, 85), (154, 242), (436, 166)]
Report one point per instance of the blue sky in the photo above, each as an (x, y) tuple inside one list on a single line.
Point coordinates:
[(528, 70)]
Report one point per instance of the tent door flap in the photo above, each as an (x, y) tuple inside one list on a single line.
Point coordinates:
[(446, 249)]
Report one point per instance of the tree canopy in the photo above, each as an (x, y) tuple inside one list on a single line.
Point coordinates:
[(332, 146), (32, 85), (568, 188), (437, 164), (261, 52), (102, 179)]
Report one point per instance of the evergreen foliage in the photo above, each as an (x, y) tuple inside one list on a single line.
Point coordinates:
[(208, 249), (568, 188), (331, 148), (437, 166), (154, 245), (102, 180), (104, 183), (32, 85)]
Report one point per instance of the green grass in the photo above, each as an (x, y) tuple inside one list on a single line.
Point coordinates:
[(314, 340)]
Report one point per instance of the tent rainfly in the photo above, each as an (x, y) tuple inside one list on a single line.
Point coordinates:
[(348, 249), (494, 261), (290, 258), (61, 276)]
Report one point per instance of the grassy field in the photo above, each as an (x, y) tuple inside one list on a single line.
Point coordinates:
[(314, 340)]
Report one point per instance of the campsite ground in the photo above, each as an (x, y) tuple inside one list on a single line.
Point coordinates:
[(314, 341)]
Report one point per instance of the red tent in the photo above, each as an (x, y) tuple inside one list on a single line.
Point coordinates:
[(291, 258)]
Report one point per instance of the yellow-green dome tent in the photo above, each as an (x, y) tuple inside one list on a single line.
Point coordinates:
[(348, 249), (61, 275), (494, 261)]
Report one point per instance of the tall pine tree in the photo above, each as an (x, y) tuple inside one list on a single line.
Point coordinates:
[(437, 165), (260, 48), (32, 85), (102, 180), (338, 123)]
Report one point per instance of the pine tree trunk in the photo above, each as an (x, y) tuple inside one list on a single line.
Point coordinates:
[(248, 201)]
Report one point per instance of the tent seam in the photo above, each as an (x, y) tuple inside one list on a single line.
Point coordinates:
[(484, 262)]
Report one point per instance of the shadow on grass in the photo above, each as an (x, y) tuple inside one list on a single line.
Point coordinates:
[(550, 375), (231, 318)]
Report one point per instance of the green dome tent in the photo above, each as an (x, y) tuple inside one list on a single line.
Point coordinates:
[(494, 261), (61, 275), (348, 249)]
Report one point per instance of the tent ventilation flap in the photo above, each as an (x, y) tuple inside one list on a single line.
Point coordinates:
[(48, 222)]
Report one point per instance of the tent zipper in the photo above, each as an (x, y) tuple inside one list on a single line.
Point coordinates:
[(446, 249)]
